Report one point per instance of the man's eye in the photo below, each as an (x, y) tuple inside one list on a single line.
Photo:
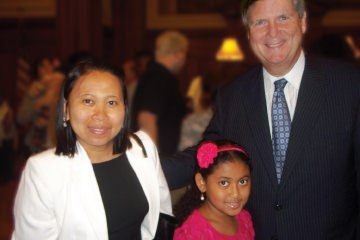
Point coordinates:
[(259, 23), (283, 18)]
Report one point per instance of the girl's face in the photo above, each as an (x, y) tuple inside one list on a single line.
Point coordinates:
[(227, 189), (96, 110)]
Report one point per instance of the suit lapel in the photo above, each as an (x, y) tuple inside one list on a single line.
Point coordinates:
[(258, 120), (312, 94)]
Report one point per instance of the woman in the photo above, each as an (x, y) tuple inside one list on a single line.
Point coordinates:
[(99, 182)]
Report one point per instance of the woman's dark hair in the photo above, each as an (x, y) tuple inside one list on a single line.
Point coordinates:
[(191, 199), (65, 136)]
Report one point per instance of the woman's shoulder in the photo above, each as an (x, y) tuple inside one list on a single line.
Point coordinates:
[(47, 165), (146, 141), (45, 158)]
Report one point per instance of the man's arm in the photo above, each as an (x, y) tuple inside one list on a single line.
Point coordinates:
[(179, 169), (147, 122)]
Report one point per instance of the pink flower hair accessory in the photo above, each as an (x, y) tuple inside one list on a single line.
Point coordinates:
[(209, 150), (206, 154)]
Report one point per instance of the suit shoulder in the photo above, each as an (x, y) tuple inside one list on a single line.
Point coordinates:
[(244, 80), (334, 67)]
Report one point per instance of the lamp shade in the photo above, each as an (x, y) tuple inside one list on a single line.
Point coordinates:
[(230, 50)]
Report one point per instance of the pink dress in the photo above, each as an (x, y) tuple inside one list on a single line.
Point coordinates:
[(197, 228)]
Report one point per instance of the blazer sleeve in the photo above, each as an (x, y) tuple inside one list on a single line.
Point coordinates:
[(34, 218)]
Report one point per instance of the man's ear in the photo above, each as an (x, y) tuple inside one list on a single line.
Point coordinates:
[(304, 23), (200, 182)]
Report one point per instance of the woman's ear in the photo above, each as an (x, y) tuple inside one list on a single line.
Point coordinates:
[(200, 182)]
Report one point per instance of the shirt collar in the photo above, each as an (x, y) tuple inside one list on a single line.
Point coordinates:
[(293, 76)]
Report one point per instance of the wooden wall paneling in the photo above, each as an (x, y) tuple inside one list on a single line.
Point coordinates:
[(129, 29), (79, 27)]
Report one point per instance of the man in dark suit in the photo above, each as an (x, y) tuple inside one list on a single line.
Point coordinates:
[(311, 188)]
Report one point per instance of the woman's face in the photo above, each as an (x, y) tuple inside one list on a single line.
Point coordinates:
[(96, 110)]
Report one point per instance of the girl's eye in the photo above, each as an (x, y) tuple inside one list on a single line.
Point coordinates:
[(243, 181), (223, 183)]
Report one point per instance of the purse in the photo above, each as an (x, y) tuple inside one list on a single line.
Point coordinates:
[(166, 223)]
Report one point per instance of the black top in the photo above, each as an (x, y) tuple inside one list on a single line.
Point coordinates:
[(123, 197), (158, 92)]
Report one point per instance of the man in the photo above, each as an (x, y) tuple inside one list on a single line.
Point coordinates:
[(310, 188), (158, 106)]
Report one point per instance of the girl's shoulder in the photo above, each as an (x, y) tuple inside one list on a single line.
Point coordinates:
[(245, 224), (195, 227)]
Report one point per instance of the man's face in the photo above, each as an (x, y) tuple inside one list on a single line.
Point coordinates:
[(275, 34)]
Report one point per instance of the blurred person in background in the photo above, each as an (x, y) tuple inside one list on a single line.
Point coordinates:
[(158, 106), (36, 113)]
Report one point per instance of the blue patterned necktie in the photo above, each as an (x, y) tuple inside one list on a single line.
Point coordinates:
[(281, 124)]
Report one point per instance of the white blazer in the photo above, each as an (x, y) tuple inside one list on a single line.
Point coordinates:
[(58, 197)]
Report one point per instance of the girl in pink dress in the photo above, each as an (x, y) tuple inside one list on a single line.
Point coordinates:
[(213, 208)]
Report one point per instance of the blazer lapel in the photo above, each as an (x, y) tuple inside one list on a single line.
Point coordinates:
[(89, 193), (258, 120), (145, 172), (312, 95)]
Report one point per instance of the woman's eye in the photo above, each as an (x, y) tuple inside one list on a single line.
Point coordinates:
[(112, 103), (87, 101), (223, 183)]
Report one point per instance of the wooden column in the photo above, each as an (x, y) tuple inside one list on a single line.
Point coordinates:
[(79, 27), (129, 18)]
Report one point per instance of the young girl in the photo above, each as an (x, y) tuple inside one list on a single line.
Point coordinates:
[(214, 208)]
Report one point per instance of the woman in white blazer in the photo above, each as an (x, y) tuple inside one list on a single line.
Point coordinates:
[(100, 182)]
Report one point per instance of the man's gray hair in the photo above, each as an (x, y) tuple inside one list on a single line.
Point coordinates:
[(299, 6), (171, 42)]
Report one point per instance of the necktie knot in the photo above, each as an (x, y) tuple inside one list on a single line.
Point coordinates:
[(280, 84)]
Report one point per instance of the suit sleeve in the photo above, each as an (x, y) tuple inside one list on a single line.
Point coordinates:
[(179, 169), (34, 218), (357, 164)]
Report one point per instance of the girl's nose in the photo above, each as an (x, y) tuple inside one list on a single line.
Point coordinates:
[(235, 190)]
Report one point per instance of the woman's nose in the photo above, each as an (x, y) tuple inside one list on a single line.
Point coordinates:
[(99, 112)]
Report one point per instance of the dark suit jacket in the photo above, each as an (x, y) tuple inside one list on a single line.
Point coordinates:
[(318, 194)]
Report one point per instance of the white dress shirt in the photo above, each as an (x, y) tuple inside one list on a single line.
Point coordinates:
[(291, 89)]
